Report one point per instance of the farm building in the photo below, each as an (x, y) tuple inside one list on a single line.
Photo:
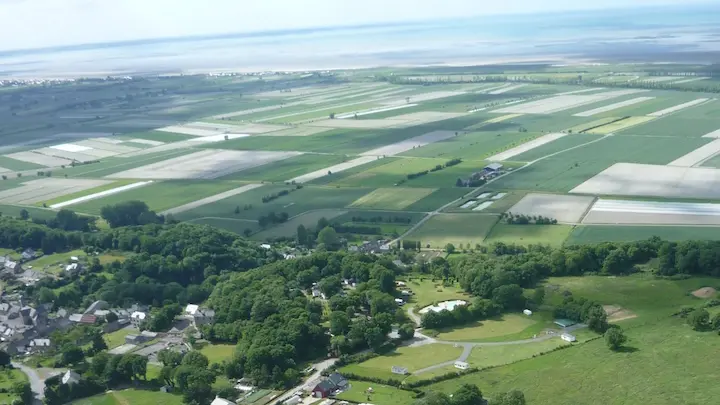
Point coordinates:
[(568, 337), (493, 168), (399, 370), (564, 323)]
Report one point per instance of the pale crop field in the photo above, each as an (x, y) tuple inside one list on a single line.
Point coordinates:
[(409, 144), (564, 208), (698, 156), (630, 212), (392, 198), (35, 191), (510, 153)]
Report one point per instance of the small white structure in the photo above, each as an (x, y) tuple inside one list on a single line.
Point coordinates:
[(294, 400), (137, 317), (191, 309), (461, 365), (399, 301), (72, 268), (445, 305), (568, 337), (70, 377), (527, 312), (74, 259), (266, 246), (221, 401)]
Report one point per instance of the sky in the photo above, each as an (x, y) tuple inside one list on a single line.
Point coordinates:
[(28, 24)]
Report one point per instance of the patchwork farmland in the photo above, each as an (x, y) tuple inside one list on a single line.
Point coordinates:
[(361, 147)]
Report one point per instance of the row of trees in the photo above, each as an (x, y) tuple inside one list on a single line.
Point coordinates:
[(521, 219)]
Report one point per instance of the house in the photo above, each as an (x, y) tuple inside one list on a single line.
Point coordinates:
[(28, 254), (12, 266), (137, 317), (88, 319), (323, 390), (191, 309), (338, 380), (221, 401), (101, 313), (204, 316), (71, 377), (461, 365), (75, 318), (568, 337), (266, 246), (39, 345)]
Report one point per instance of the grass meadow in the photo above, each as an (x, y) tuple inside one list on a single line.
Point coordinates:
[(381, 394), (592, 234), (286, 169), (412, 358), (131, 396), (552, 235), (458, 229)]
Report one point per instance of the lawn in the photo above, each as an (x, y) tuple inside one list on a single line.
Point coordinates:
[(391, 198), (218, 353), (160, 196), (565, 171), (35, 212), (7, 379), (553, 235), (117, 338), (492, 328), (286, 169), (426, 292), (382, 394), (594, 234), (488, 356), (458, 229), (131, 396), (412, 358), (289, 228), (109, 257), (55, 259), (473, 145), (591, 374)]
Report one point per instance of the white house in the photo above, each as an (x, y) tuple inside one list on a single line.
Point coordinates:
[(71, 377), (72, 268), (461, 365), (137, 317), (568, 337)]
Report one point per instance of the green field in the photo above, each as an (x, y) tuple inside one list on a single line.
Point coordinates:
[(117, 338), (112, 165), (287, 169), (437, 199), (17, 165), (564, 171), (389, 174), (555, 146), (553, 235), (238, 226), (56, 259), (218, 353), (35, 212), (412, 358), (492, 328), (391, 198), (473, 146), (7, 379), (426, 292), (458, 229), (382, 394), (592, 234), (160, 196), (131, 397), (676, 125)]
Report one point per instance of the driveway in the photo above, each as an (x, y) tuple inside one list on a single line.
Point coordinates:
[(307, 384), (37, 384)]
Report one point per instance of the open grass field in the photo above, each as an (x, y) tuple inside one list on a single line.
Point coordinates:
[(218, 353), (289, 228), (490, 356), (35, 212), (17, 165), (473, 146), (457, 229), (592, 234), (382, 394), (391, 198), (7, 379), (160, 196), (117, 338), (564, 171), (553, 235), (437, 199), (508, 324), (285, 169), (131, 397), (388, 174), (412, 358)]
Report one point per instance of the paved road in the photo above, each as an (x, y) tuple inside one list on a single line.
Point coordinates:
[(306, 385), (37, 384)]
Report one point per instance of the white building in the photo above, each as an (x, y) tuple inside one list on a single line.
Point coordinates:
[(137, 317), (461, 365), (221, 401), (70, 378)]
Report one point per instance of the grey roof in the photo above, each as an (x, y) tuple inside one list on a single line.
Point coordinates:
[(337, 379), (494, 166), (326, 385)]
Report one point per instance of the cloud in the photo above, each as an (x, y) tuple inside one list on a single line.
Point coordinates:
[(41, 23)]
